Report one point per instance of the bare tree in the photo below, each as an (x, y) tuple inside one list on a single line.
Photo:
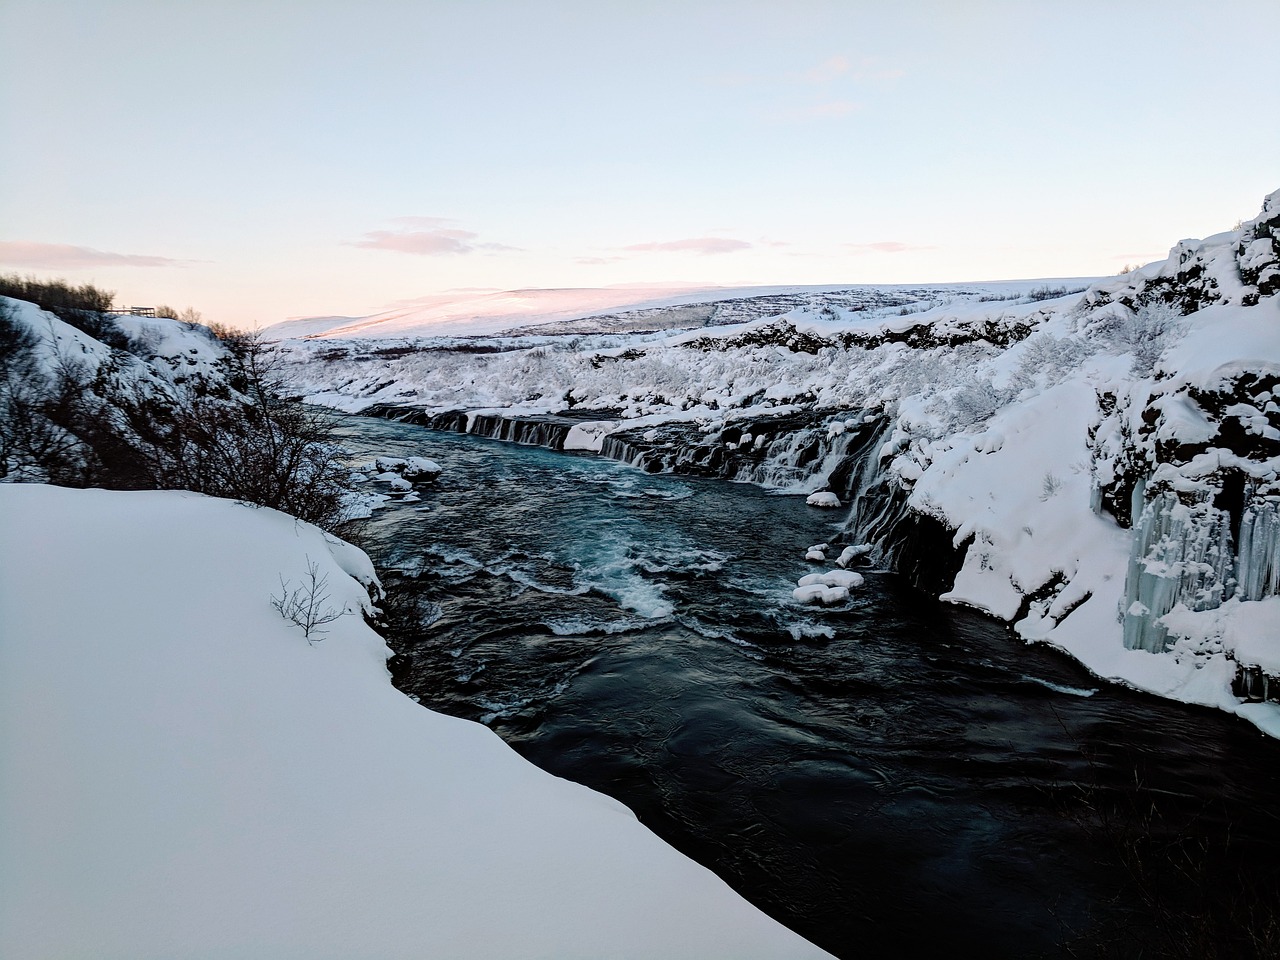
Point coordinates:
[(307, 605)]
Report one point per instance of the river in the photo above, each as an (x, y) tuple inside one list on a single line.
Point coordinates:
[(892, 776)]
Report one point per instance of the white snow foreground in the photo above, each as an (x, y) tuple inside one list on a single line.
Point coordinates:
[(185, 776)]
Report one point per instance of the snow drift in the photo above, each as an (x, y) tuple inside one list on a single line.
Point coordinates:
[(185, 775)]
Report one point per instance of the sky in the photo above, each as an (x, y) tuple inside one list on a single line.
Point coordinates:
[(273, 159)]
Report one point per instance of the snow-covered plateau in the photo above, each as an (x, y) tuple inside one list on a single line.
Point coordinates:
[(1097, 466), (187, 775)]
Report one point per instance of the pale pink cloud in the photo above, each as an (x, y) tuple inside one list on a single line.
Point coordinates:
[(65, 256), (427, 237), (702, 245), (420, 242), (885, 246)]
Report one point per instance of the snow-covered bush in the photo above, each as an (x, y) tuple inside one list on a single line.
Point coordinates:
[(1143, 333), (1047, 360)]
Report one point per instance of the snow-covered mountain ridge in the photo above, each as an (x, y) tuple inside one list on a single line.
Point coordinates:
[(1104, 463), (596, 310)]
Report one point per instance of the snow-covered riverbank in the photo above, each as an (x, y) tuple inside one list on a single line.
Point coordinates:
[(186, 775)]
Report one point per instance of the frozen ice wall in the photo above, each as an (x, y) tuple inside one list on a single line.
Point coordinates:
[(1186, 555), (1258, 559)]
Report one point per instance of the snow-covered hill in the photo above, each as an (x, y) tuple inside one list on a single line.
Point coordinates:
[(1104, 464), (185, 775), (627, 309)]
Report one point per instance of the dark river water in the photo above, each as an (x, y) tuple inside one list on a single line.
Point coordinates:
[(889, 777)]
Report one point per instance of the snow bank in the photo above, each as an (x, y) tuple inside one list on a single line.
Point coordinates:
[(184, 775)]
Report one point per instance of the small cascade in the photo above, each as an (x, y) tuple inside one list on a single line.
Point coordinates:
[(916, 545), (1253, 685), (791, 460), (537, 430), (540, 431), (792, 452)]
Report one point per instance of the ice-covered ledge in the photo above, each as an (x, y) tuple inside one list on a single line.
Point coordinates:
[(184, 775)]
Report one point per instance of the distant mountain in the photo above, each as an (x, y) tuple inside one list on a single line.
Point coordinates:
[(626, 309)]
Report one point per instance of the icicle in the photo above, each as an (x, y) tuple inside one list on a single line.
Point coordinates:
[(1258, 563), (1181, 554)]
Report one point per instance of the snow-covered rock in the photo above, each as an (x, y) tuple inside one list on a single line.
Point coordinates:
[(833, 578), (820, 593), (588, 436), (823, 498), (851, 553), (421, 468)]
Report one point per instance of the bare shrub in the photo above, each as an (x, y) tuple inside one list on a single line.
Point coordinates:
[(975, 403), (307, 605), (108, 426), (1051, 293), (259, 449), (85, 307), (190, 316)]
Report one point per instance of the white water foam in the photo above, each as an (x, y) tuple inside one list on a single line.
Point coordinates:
[(580, 626), (715, 633), (638, 595), (1059, 688), (807, 629), (532, 583)]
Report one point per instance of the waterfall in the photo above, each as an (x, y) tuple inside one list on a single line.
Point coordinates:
[(920, 547), (795, 453), (537, 430), (541, 431)]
